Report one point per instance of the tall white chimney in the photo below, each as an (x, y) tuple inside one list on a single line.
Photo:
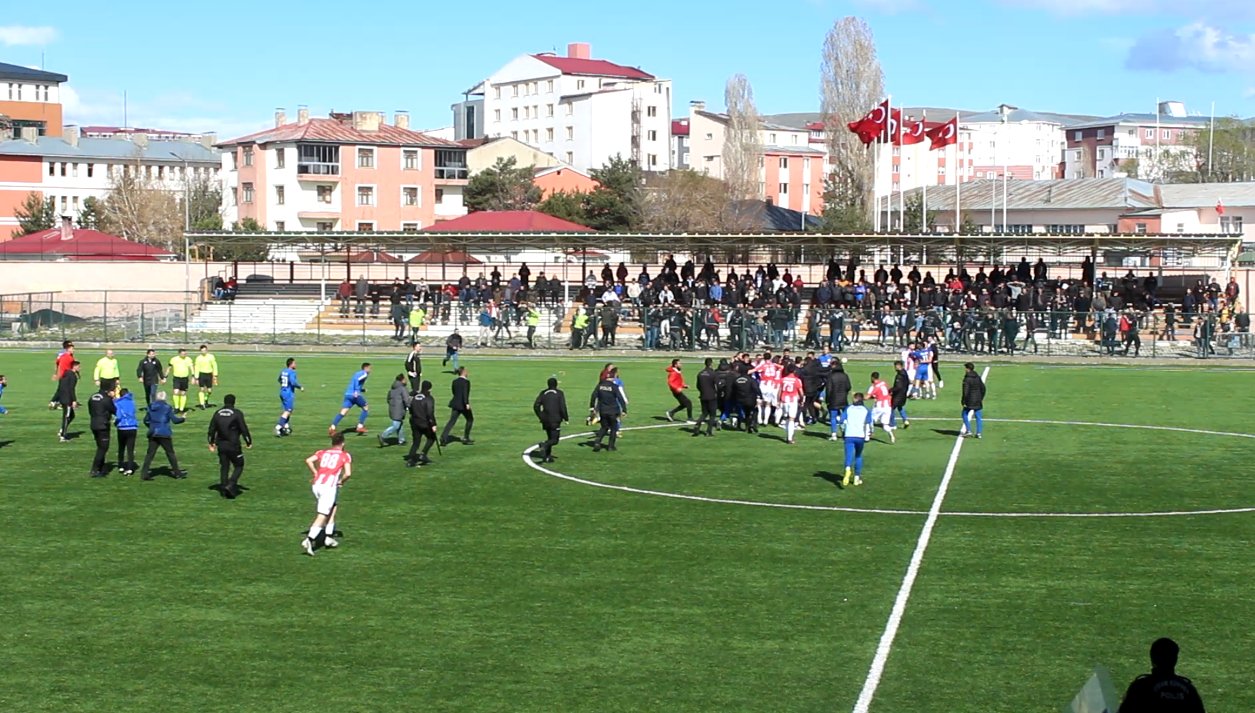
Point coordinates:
[(281, 117)]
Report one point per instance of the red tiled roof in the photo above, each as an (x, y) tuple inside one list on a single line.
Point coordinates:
[(375, 256), (334, 131), (680, 127), (507, 221), (83, 245), (591, 67), (437, 257)]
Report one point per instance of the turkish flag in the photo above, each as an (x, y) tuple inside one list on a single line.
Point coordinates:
[(1219, 207), (944, 135), (872, 126), (913, 133), (893, 128)]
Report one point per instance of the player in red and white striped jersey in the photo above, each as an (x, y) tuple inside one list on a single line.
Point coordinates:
[(883, 409), (790, 400), (330, 468), (769, 372)]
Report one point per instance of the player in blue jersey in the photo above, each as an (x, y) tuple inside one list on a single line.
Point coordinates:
[(858, 431), (3, 384), (288, 386), (354, 395)]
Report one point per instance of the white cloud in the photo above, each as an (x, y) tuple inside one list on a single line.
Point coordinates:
[(12, 35), (171, 112), (1229, 9), (1197, 46)]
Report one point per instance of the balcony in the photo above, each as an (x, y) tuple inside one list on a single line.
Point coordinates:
[(452, 173), (315, 171), (451, 166)]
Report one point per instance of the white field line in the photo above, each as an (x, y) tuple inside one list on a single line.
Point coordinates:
[(908, 582)]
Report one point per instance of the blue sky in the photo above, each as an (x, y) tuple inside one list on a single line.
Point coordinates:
[(186, 67)]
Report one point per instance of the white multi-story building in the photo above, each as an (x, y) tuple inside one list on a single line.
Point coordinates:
[(580, 110), (68, 169)]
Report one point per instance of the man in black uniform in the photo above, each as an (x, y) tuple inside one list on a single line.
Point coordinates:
[(607, 402), (897, 395), (101, 409), (1162, 689), (747, 394), (422, 425), (226, 428), (550, 408), (149, 374), (67, 398), (837, 394), (461, 405), (725, 377), (708, 394), (414, 366)]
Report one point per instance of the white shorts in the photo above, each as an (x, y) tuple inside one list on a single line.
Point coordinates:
[(771, 393), (789, 408), (880, 415), (326, 494)]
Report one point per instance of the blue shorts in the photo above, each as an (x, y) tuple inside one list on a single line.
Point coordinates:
[(921, 372), (351, 401), (287, 399)]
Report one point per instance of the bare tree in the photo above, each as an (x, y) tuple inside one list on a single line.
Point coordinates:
[(851, 84), (742, 145), (137, 208), (685, 201)]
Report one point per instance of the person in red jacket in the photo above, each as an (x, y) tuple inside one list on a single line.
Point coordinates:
[(675, 382), (65, 358)]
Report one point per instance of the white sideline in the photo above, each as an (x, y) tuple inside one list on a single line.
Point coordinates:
[(908, 582)]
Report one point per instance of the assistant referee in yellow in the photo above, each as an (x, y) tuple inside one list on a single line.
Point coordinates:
[(206, 375), (180, 372)]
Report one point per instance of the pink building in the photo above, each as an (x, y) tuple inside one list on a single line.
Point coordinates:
[(349, 172)]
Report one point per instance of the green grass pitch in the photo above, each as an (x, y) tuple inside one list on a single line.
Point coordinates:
[(482, 584)]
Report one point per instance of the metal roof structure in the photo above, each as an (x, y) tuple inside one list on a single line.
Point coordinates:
[(27, 74), (1058, 194), (112, 149), (1206, 195), (814, 245)]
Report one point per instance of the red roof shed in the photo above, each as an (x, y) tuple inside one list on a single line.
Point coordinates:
[(507, 221)]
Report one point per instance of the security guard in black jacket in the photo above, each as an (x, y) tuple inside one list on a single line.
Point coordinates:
[(149, 374), (422, 425), (226, 429), (708, 394), (414, 367), (745, 389), (607, 403), (461, 405), (898, 394), (725, 376), (550, 408), (101, 409), (837, 394)]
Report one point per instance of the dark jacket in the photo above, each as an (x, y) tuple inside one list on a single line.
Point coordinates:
[(900, 389), (1161, 692), (422, 412), (707, 385), (101, 409), (837, 390), (746, 391), (550, 407), (461, 394), (149, 370), (398, 401), (159, 418), (607, 399), (454, 342), (125, 415), (724, 380), (973, 391), (67, 388), (227, 427), (414, 365)]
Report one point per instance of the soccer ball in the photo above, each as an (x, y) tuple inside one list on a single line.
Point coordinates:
[(845, 360)]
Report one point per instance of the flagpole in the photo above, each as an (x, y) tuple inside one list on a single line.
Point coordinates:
[(958, 179), (1211, 141), (887, 138), (923, 220), (1156, 178), (901, 175)]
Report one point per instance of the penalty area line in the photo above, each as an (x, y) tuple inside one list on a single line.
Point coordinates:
[(885, 646)]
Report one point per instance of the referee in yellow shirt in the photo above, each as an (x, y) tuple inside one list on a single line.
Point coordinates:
[(106, 374), (180, 372), (206, 375)]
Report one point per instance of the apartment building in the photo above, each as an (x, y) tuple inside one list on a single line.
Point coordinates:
[(69, 169), (792, 173), (582, 111), (30, 98), (348, 172), (1144, 145)]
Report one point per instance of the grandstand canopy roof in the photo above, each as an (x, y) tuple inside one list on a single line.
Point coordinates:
[(1216, 245)]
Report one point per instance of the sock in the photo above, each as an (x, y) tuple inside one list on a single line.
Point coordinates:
[(331, 527), (313, 532), (283, 420), (832, 421), (336, 421), (202, 398), (789, 429), (361, 418)]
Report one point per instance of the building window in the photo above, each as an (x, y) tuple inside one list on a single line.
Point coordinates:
[(570, 157), (74, 170), (535, 87), (318, 159), (325, 226), (248, 155), (784, 163), (1140, 228), (710, 137), (74, 203), (365, 227), (281, 159), (1230, 224), (549, 134), (366, 195), (651, 135), (514, 114), (784, 189), (280, 226), (496, 92), (1150, 133), (325, 193), (496, 116), (409, 227), (52, 169), (1076, 136), (514, 90), (652, 160), (365, 158), (806, 165), (549, 86), (570, 108), (161, 173), (570, 133), (63, 170), (579, 84), (280, 195), (65, 204), (651, 111), (514, 135), (90, 168), (1102, 133), (1102, 153), (11, 88), (409, 196), (439, 196), (248, 192), (549, 109), (410, 157), (806, 189)]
